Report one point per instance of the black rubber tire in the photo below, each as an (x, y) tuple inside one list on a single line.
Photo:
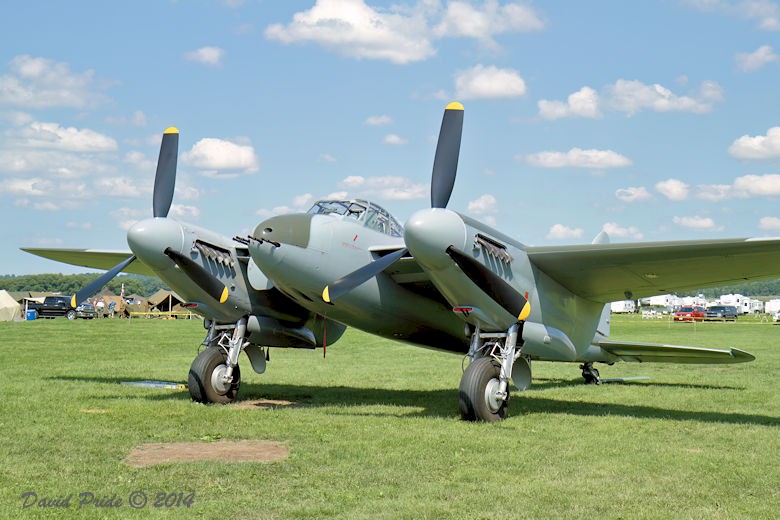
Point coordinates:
[(199, 380), (71, 314), (471, 395), (592, 378)]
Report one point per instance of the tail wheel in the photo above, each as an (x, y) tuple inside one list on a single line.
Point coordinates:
[(205, 379), (478, 394)]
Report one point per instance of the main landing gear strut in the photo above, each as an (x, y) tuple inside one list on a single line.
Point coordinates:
[(214, 375), (484, 386), (590, 374)]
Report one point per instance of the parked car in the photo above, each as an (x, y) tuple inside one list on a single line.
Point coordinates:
[(85, 310), (59, 306), (721, 312), (693, 313)]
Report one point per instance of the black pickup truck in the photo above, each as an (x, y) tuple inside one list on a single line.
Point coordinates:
[(58, 306)]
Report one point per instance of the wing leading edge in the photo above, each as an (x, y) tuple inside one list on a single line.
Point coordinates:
[(660, 353), (93, 258), (610, 272)]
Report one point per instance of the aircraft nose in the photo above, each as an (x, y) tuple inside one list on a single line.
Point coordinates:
[(149, 238), (286, 229), (429, 232)]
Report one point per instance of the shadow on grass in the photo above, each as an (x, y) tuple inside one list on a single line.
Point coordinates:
[(443, 403), (547, 383)]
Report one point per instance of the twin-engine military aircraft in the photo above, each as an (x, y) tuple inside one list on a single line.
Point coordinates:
[(443, 280)]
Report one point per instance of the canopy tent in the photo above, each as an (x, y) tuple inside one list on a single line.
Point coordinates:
[(9, 308)]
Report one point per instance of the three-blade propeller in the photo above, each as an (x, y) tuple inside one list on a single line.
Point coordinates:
[(445, 167), (164, 184)]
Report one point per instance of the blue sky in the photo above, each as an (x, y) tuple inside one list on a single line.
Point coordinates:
[(652, 120)]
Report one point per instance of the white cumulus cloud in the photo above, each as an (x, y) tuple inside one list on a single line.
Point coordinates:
[(402, 33), (394, 139), (633, 194), (561, 232), (765, 13), (206, 55), (52, 136), (631, 96), (484, 204), (481, 22), (673, 189), (354, 29), (43, 83), (767, 185), (219, 155), (387, 187), (696, 222), (583, 103), (752, 61), (757, 147), (769, 223), (480, 82), (379, 120), (617, 231), (578, 158)]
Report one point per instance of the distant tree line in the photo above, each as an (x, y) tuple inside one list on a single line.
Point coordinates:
[(70, 283), (148, 285), (759, 288)]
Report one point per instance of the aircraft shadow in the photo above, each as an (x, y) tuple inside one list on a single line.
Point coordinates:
[(442, 403), (543, 384)]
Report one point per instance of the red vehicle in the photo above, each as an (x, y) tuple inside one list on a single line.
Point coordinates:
[(694, 313)]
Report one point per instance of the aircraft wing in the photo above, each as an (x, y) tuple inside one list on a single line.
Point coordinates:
[(92, 258), (659, 353), (611, 272)]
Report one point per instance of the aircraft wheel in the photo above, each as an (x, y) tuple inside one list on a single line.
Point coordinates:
[(478, 388), (71, 314), (590, 374), (205, 379)]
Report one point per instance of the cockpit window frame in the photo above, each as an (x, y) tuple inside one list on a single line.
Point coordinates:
[(372, 216)]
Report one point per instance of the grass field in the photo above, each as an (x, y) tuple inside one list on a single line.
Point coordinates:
[(374, 430)]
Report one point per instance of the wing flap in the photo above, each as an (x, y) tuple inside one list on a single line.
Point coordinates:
[(610, 272), (659, 353), (92, 258)]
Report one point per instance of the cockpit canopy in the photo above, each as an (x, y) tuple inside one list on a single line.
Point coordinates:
[(367, 213)]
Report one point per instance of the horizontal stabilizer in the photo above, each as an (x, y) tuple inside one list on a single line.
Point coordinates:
[(93, 258), (658, 353)]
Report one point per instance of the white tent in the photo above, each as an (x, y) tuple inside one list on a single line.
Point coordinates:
[(9, 308)]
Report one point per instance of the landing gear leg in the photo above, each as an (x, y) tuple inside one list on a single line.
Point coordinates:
[(484, 387), (590, 374), (214, 375)]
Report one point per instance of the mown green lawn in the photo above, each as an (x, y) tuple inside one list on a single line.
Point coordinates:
[(375, 433)]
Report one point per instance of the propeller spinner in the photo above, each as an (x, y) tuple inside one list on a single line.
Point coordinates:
[(445, 167), (164, 184)]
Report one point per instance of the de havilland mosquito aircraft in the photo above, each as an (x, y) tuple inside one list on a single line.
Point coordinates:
[(443, 280)]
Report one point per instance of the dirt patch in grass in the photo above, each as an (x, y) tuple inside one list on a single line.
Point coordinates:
[(262, 404), (222, 451)]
